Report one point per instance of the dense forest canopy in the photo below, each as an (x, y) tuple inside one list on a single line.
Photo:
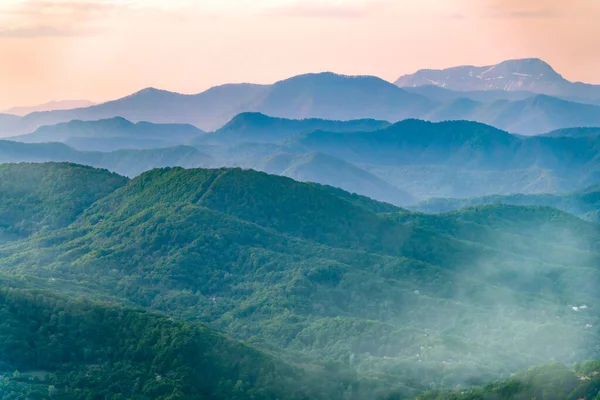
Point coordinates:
[(236, 284)]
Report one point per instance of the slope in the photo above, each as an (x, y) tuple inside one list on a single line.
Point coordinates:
[(584, 203), (574, 132), (111, 134), (125, 162), (50, 106), (532, 74), (546, 382), (531, 116), (463, 159), (443, 95), (325, 95), (9, 124), (339, 97), (38, 197), (260, 128), (539, 114), (287, 265), (208, 110), (328, 170), (70, 348)]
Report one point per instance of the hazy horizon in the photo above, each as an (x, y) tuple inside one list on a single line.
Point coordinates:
[(100, 50)]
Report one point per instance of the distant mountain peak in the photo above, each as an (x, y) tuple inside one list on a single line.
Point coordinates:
[(50, 106), (529, 66), (330, 76), (151, 91), (531, 74)]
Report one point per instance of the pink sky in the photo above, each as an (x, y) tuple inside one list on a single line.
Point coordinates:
[(104, 49)]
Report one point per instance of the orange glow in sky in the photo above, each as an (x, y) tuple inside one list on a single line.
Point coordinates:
[(104, 49)]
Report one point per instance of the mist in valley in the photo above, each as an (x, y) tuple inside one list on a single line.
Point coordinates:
[(408, 227)]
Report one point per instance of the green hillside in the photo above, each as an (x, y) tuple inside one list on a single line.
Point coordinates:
[(55, 347), (583, 203), (35, 197), (546, 382), (404, 302)]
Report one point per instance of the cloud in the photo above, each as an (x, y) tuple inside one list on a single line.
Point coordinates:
[(56, 18), (36, 9)]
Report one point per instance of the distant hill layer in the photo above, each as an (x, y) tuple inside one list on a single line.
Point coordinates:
[(532, 75), (125, 162), (395, 163), (532, 116), (461, 159), (328, 170), (112, 134), (328, 96), (584, 203), (260, 128), (325, 95), (50, 106)]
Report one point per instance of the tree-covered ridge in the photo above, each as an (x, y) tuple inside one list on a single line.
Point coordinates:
[(463, 159), (417, 300), (584, 203), (128, 162), (69, 348), (547, 382), (257, 127), (36, 197), (110, 128), (112, 134), (574, 132), (326, 169), (400, 164)]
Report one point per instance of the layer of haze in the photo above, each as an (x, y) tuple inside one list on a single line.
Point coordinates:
[(104, 49)]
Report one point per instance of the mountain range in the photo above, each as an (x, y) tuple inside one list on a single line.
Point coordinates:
[(532, 75), (260, 128), (112, 134), (461, 158), (519, 104), (584, 203), (335, 296), (400, 163), (126, 162), (50, 106)]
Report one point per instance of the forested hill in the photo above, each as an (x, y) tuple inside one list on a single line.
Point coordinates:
[(548, 382), (49, 196), (59, 348), (314, 277), (584, 203)]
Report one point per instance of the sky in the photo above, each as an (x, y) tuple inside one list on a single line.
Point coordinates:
[(104, 49)]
